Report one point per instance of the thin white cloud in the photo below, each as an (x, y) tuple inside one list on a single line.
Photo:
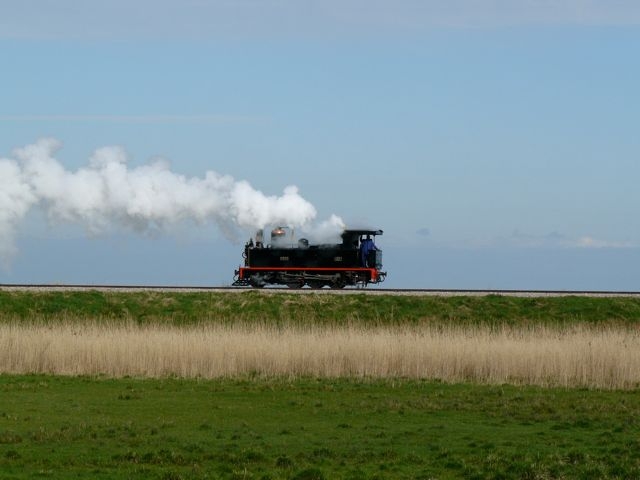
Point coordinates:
[(489, 13), (590, 242), (220, 119), (125, 19), (555, 239), (519, 239)]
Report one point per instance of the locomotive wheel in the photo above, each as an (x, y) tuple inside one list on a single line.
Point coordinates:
[(296, 285), (315, 284), (257, 282)]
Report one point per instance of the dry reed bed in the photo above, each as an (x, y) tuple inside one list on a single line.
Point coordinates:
[(577, 356)]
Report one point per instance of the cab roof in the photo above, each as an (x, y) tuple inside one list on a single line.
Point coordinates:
[(362, 232)]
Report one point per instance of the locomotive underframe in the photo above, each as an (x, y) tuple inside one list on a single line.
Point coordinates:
[(298, 277)]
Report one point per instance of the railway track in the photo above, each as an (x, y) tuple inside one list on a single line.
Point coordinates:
[(346, 291)]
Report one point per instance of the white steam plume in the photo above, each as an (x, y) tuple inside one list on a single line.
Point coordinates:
[(107, 194), (16, 198), (327, 231)]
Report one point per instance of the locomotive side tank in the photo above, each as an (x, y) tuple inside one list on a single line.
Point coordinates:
[(355, 261)]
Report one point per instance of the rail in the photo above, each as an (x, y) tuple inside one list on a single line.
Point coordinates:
[(346, 291)]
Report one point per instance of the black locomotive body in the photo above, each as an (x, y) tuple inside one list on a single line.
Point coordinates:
[(355, 261)]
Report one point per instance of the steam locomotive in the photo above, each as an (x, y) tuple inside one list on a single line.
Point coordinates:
[(355, 261)]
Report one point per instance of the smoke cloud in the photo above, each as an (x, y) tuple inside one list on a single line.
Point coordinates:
[(107, 194)]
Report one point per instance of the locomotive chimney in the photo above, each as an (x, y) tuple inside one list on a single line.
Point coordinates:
[(259, 238)]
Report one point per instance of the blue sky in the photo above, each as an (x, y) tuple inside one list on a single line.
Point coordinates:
[(496, 143)]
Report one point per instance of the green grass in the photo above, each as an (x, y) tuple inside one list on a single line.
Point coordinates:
[(318, 309), (57, 427), (255, 428)]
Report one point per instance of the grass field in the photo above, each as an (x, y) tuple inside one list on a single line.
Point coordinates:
[(76, 427), (254, 423), (315, 309)]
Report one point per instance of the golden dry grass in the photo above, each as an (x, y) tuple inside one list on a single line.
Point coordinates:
[(579, 356)]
